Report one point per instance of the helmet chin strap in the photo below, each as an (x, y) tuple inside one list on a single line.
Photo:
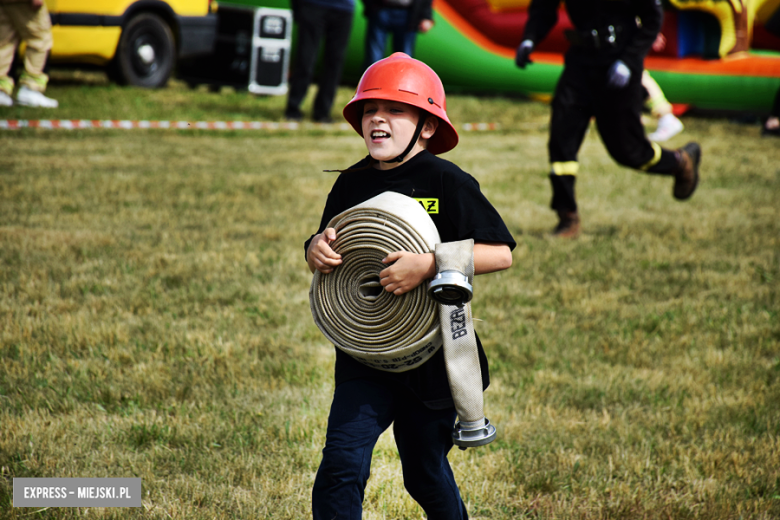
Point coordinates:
[(415, 137)]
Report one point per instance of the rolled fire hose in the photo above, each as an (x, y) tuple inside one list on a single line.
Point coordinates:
[(399, 333)]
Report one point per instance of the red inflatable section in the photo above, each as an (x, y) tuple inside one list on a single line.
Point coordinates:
[(505, 28)]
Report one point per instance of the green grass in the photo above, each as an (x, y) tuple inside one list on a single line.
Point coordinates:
[(154, 318)]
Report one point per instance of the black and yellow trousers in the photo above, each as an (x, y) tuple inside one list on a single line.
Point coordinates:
[(581, 94)]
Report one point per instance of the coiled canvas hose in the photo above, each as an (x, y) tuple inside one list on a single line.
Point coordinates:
[(399, 333)]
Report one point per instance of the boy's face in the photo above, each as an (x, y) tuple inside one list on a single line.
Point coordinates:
[(388, 126)]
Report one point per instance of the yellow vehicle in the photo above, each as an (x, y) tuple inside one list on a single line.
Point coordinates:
[(137, 41)]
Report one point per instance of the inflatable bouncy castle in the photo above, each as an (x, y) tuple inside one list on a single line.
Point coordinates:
[(719, 54)]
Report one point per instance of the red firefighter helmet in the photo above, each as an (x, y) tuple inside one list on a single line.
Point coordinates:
[(407, 80)]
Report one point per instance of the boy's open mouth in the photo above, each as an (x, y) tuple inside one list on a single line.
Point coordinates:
[(379, 134)]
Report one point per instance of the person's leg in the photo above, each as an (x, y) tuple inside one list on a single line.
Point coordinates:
[(772, 123), (659, 106), (360, 412), (338, 27), (619, 122), (424, 438), (310, 31), (34, 27), (618, 117), (9, 39), (376, 39), (771, 126), (408, 41), (403, 38), (571, 113), (656, 101)]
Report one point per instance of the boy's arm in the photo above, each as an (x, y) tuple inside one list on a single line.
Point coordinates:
[(490, 257), (320, 256), (411, 269)]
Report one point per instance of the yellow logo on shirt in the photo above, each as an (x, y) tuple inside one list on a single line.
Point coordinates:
[(431, 206)]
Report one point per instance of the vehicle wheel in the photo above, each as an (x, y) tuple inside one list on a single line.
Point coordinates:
[(146, 52)]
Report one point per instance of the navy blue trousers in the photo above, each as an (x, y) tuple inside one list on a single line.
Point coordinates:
[(385, 22), (361, 411)]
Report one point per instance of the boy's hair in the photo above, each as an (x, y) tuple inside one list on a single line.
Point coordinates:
[(406, 80)]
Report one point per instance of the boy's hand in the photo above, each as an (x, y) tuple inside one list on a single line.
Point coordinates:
[(408, 271), (320, 256)]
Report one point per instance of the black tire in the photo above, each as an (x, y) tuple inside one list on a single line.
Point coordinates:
[(146, 53)]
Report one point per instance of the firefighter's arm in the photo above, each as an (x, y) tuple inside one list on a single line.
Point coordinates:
[(542, 17)]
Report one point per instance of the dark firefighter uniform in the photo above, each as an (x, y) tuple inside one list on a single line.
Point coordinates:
[(605, 31)]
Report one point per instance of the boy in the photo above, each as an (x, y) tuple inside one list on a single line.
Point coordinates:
[(399, 109)]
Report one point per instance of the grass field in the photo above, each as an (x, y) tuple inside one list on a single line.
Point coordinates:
[(154, 318)]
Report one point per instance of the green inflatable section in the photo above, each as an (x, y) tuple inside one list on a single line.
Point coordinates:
[(465, 67), (748, 93)]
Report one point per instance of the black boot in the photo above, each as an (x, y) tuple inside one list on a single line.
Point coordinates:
[(686, 177), (568, 225), (564, 203)]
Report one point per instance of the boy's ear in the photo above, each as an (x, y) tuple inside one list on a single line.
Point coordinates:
[(430, 126)]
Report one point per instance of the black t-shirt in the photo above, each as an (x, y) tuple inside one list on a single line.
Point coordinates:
[(458, 209)]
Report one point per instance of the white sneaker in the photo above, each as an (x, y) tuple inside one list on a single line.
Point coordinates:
[(5, 100), (668, 127), (32, 98)]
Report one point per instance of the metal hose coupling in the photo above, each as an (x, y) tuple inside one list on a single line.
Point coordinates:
[(471, 434), (451, 288)]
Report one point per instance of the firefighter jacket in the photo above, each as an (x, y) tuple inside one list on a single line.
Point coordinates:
[(605, 30)]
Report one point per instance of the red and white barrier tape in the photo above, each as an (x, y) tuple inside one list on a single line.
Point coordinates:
[(74, 124)]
